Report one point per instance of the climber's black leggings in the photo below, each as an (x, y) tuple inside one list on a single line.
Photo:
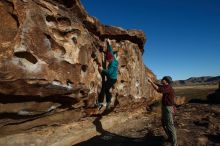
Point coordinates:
[(106, 86)]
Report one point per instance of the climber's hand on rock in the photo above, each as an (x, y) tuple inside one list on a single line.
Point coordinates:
[(108, 41), (100, 69)]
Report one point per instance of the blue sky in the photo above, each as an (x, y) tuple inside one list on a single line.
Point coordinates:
[(183, 36)]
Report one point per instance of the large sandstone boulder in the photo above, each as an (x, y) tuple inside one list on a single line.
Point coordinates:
[(49, 55)]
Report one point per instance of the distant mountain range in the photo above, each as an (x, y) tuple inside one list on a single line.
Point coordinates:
[(206, 80)]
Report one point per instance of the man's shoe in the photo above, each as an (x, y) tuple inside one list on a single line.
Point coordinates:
[(100, 107), (108, 106)]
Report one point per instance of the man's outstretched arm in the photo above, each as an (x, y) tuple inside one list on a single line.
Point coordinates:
[(156, 87)]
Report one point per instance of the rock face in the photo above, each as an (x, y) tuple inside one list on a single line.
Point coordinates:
[(50, 50)]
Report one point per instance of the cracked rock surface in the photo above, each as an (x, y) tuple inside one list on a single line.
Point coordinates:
[(49, 56)]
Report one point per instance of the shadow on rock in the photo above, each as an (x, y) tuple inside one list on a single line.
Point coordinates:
[(116, 140), (65, 101), (198, 101), (213, 98), (214, 138)]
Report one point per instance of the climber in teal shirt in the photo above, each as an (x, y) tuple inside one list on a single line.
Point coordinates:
[(111, 73)]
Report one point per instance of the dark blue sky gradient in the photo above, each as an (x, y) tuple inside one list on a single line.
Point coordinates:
[(183, 36)]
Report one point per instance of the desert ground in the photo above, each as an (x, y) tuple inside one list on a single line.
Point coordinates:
[(197, 123), (195, 92)]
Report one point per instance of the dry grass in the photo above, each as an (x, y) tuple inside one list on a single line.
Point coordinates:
[(195, 92)]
